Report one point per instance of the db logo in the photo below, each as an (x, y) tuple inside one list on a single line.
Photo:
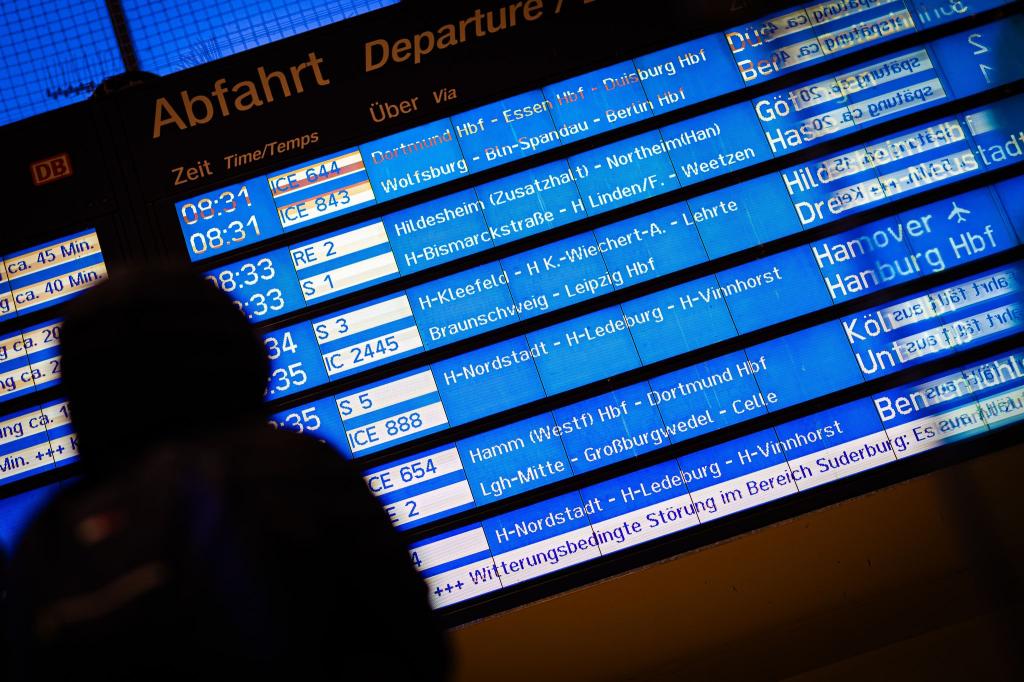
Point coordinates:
[(51, 169)]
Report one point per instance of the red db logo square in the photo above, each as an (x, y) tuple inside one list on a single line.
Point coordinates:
[(51, 169)]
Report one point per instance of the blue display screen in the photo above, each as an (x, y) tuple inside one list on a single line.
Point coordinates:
[(37, 278), (615, 97), (673, 315), (762, 292), (36, 440)]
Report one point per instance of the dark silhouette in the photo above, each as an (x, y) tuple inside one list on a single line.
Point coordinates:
[(200, 543)]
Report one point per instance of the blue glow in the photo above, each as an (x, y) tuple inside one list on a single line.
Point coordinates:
[(57, 53), (171, 36), (295, 362), (413, 159), (681, 319), (507, 129), (514, 459)]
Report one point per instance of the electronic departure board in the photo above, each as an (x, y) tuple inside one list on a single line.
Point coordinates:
[(39, 438), (580, 284)]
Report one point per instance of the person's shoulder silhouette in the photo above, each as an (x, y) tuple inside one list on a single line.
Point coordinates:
[(199, 541)]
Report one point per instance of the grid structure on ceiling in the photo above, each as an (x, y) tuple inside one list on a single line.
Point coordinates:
[(171, 35), (55, 52)]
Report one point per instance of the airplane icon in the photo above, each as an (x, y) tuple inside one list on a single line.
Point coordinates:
[(958, 213)]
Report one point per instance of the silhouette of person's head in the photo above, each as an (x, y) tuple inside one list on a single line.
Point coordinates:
[(156, 356)]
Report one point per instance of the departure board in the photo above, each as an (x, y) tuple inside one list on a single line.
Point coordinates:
[(40, 438), (582, 285)]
